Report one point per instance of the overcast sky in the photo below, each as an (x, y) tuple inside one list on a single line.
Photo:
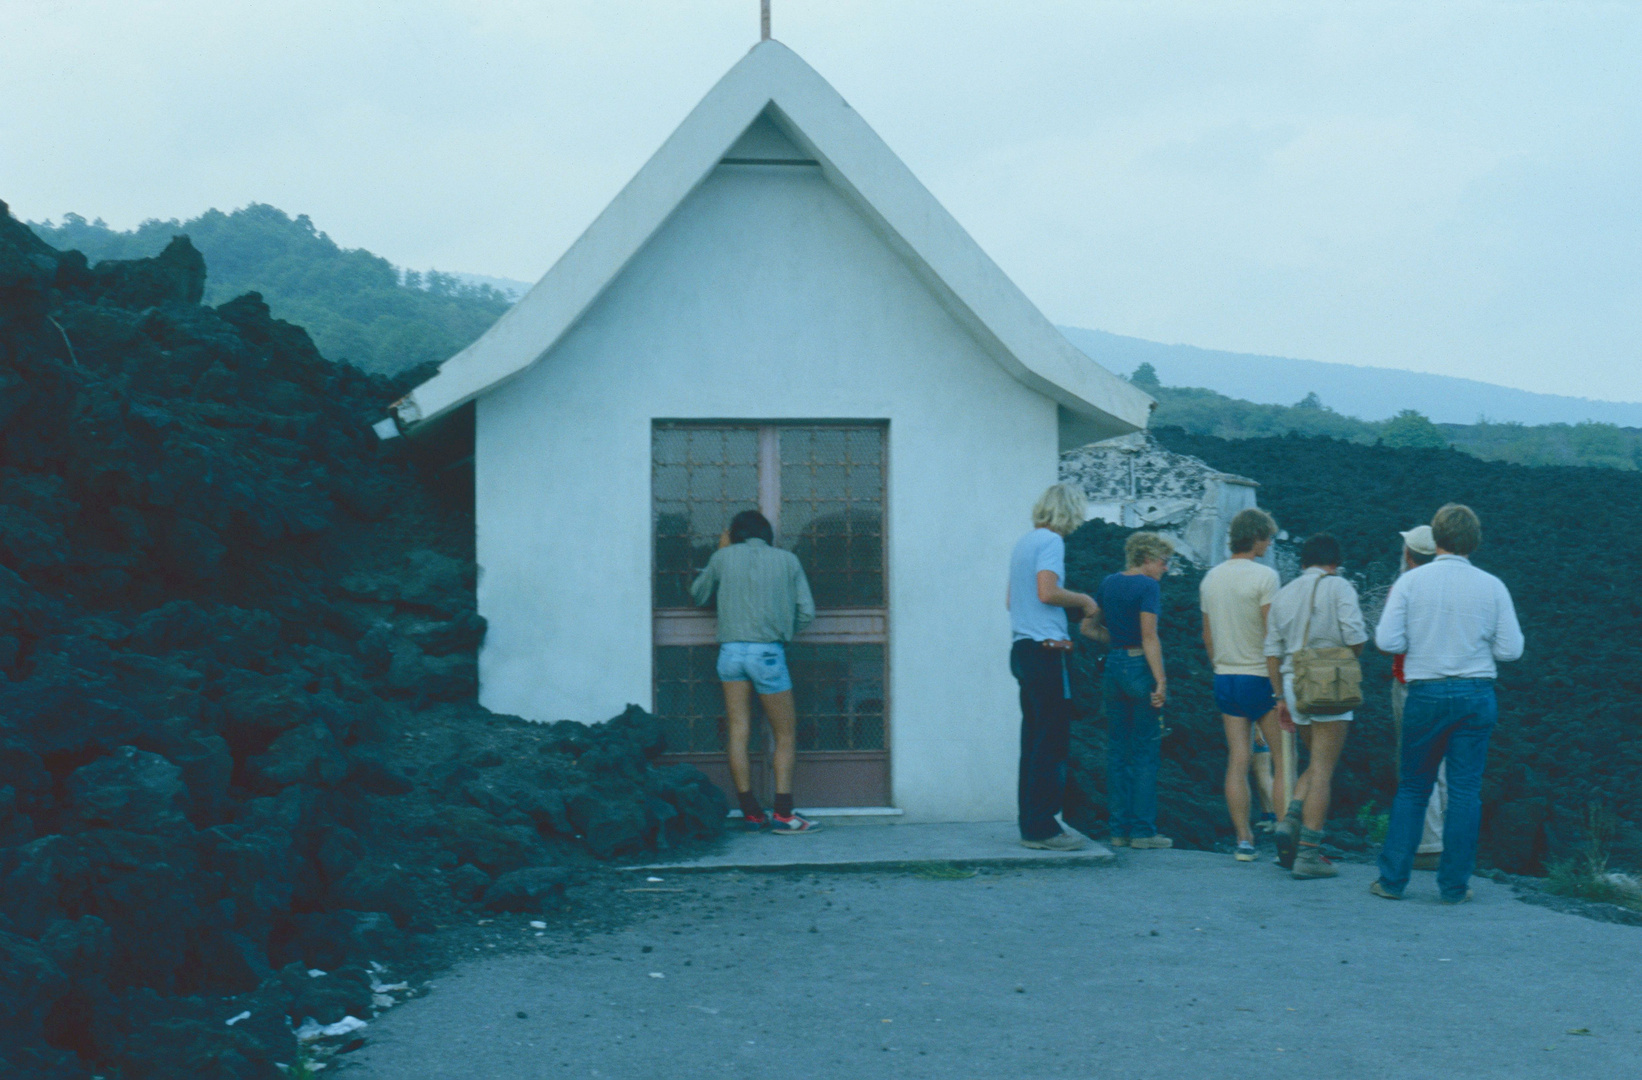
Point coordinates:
[(1447, 187)]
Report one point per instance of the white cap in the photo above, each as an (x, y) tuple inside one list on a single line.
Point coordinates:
[(1420, 541)]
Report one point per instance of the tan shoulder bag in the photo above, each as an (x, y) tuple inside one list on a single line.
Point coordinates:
[(1327, 681)]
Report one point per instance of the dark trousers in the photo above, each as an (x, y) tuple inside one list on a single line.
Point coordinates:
[(1046, 735)]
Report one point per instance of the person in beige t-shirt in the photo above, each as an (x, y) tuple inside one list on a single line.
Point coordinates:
[(1236, 598)]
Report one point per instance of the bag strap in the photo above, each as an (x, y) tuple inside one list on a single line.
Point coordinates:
[(1305, 627)]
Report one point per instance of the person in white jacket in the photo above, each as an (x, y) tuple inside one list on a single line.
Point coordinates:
[(1455, 623)]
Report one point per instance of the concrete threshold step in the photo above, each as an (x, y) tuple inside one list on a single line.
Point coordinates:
[(887, 847)]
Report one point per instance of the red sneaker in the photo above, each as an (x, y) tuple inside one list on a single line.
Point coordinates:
[(792, 824)]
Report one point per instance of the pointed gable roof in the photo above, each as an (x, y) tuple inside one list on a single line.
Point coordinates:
[(773, 106)]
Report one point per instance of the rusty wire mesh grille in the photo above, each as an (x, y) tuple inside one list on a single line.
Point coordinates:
[(701, 478), (838, 690), (830, 493), (689, 702), (832, 511)]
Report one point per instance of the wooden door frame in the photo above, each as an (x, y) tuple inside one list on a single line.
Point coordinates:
[(698, 626)]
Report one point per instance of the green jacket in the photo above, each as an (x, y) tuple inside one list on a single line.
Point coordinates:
[(763, 595)]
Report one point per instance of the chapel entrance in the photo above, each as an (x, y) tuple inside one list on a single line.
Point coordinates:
[(822, 485)]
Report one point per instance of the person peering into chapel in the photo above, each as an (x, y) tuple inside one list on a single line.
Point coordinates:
[(1236, 598), (1134, 689), (1038, 600), (1455, 623), (1317, 610), (763, 602)]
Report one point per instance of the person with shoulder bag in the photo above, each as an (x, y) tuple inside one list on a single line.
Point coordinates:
[(1313, 640)]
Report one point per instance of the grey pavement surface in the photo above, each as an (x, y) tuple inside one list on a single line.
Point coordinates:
[(981, 843), (1168, 964)]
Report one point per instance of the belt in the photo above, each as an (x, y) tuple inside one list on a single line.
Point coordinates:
[(1056, 646), (1451, 678)]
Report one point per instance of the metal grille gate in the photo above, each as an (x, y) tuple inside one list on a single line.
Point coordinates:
[(822, 485)]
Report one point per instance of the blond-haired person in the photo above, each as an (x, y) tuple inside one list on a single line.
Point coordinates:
[(1038, 600), (1134, 687), (1236, 598)]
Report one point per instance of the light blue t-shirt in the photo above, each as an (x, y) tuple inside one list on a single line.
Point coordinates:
[(1029, 617)]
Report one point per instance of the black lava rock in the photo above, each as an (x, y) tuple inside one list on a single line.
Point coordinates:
[(532, 890), (238, 734)]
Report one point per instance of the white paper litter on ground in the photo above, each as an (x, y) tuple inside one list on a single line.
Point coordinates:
[(537, 924), (654, 879), (315, 973), (232, 1020), (312, 1029), (657, 975)]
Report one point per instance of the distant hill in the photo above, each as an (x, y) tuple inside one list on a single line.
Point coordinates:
[(512, 288), (358, 307), (1363, 392)]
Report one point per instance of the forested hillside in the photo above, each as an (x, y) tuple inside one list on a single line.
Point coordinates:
[(1566, 541), (1205, 412), (357, 307)]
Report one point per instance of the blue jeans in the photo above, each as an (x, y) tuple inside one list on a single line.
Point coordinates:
[(1446, 719), (1131, 745), (1046, 736)]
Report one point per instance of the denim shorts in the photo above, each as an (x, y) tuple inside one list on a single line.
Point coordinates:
[(762, 663), (1248, 696)]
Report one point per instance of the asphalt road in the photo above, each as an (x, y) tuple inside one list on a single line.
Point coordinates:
[(1169, 964)]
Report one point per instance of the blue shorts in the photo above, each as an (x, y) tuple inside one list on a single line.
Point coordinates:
[(762, 663), (1248, 696)]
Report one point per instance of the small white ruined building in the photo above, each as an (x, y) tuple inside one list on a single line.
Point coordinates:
[(774, 314), (1133, 481)]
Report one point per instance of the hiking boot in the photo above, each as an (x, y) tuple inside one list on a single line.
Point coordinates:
[(1312, 863), (1118, 841), (1061, 842), (791, 825), (1458, 899), (1244, 852), (1142, 842), (1384, 893), (1287, 838), (1427, 860)]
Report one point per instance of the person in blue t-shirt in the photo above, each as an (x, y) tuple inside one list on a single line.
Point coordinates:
[(1037, 601), (1135, 688)]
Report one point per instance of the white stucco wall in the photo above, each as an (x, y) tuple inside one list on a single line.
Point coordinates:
[(765, 297)]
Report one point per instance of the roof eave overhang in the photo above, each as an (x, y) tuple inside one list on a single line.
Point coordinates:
[(772, 79)]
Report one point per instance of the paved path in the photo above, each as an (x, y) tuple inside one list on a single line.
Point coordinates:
[(1171, 964), (884, 847)]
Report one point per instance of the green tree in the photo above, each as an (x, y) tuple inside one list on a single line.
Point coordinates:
[(1145, 377), (1414, 430), (357, 306)]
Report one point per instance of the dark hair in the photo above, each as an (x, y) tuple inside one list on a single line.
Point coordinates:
[(749, 525), (1250, 527), (1418, 558), (1457, 529), (1320, 550)]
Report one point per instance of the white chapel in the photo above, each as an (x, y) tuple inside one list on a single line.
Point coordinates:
[(775, 314)]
